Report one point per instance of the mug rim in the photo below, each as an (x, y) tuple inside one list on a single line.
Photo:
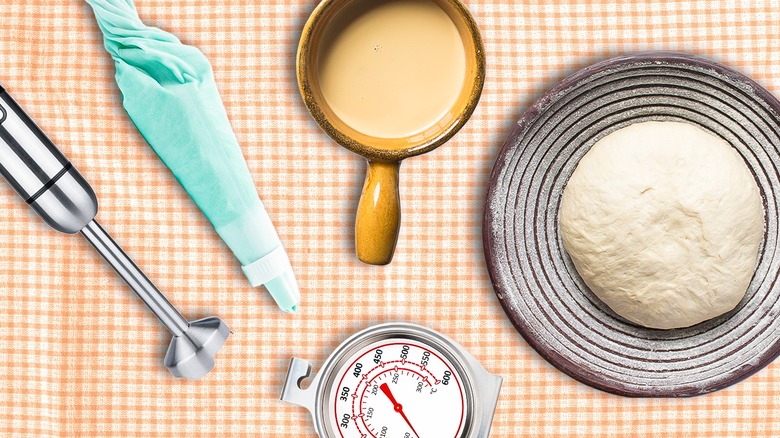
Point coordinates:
[(303, 68)]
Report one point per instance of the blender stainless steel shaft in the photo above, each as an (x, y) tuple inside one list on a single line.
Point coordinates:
[(47, 181)]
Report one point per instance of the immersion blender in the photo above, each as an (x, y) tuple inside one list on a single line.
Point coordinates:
[(43, 177)]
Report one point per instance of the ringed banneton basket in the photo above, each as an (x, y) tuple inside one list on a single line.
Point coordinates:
[(535, 279)]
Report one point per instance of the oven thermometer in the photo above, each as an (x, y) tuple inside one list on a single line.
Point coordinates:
[(397, 380)]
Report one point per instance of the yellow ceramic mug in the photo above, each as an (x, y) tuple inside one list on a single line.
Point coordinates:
[(389, 79)]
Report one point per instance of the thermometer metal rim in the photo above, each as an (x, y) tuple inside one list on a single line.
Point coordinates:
[(480, 388)]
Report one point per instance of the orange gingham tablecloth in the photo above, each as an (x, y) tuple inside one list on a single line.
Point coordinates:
[(81, 356)]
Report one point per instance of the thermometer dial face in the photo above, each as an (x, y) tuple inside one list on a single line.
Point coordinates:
[(398, 388)]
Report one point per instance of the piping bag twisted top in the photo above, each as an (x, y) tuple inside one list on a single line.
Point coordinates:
[(169, 92)]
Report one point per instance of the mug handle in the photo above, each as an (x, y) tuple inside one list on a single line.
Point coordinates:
[(379, 214)]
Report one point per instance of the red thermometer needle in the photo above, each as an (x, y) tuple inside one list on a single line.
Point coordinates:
[(397, 406)]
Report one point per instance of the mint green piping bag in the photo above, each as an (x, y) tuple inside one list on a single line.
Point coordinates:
[(168, 90)]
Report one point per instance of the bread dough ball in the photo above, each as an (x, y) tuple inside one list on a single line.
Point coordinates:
[(663, 221)]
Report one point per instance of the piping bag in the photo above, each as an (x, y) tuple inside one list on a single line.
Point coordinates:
[(169, 92)]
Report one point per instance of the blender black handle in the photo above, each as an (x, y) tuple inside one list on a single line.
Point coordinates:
[(40, 173)]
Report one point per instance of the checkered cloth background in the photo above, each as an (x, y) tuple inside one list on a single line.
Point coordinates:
[(81, 356)]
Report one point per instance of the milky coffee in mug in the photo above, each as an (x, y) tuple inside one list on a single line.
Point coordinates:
[(389, 79), (391, 68)]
